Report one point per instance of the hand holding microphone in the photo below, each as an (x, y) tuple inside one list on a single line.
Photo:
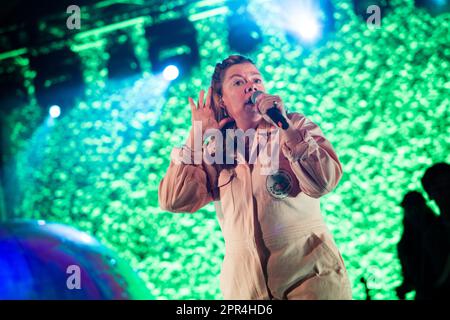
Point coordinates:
[(270, 106)]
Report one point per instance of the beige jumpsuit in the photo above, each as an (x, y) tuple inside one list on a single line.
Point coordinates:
[(277, 245)]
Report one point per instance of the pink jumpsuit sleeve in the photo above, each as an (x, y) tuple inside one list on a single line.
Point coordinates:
[(186, 187), (312, 158)]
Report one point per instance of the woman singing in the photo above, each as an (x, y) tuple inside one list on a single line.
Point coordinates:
[(277, 245)]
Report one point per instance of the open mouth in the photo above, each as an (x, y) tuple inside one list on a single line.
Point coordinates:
[(249, 102)]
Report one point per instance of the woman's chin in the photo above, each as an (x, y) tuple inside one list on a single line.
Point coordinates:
[(251, 110), (255, 116)]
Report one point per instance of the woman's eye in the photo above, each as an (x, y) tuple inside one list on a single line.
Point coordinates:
[(258, 81), (238, 82)]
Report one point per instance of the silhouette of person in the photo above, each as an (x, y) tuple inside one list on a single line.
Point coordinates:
[(435, 273), (418, 217)]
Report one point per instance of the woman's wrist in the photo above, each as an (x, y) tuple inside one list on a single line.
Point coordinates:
[(290, 134), (195, 139)]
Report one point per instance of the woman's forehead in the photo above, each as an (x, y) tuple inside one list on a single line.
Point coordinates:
[(242, 69)]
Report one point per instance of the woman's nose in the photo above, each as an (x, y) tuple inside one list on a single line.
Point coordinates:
[(251, 88)]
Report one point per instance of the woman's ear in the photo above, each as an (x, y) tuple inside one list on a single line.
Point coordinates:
[(222, 105)]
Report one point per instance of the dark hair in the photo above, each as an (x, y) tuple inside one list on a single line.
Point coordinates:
[(436, 178), (413, 199)]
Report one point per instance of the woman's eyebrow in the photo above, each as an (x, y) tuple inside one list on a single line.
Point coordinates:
[(239, 75)]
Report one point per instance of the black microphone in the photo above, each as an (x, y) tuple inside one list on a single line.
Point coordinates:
[(273, 112)]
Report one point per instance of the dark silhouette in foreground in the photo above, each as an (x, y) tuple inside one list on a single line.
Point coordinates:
[(424, 248)]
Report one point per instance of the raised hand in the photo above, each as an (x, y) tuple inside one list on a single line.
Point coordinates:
[(202, 112)]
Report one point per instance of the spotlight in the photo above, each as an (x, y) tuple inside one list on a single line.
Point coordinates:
[(308, 27), (54, 111), (307, 20), (170, 72)]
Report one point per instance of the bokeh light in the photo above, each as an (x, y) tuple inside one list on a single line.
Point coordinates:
[(54, 111), (171, 72), (308, 27)]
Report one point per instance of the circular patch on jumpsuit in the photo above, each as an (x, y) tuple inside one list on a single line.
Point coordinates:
[(279, 184)]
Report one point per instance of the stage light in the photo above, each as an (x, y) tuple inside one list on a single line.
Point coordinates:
[(308, 27), (171, 72), (54, 111), (307, 20)]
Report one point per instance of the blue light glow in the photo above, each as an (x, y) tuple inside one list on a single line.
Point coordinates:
[(170, 72), (54, 111)]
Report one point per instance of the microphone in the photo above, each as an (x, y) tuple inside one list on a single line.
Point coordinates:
[(273, 112)]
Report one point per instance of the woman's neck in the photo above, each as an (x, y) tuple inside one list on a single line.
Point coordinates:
[(246, 125)]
